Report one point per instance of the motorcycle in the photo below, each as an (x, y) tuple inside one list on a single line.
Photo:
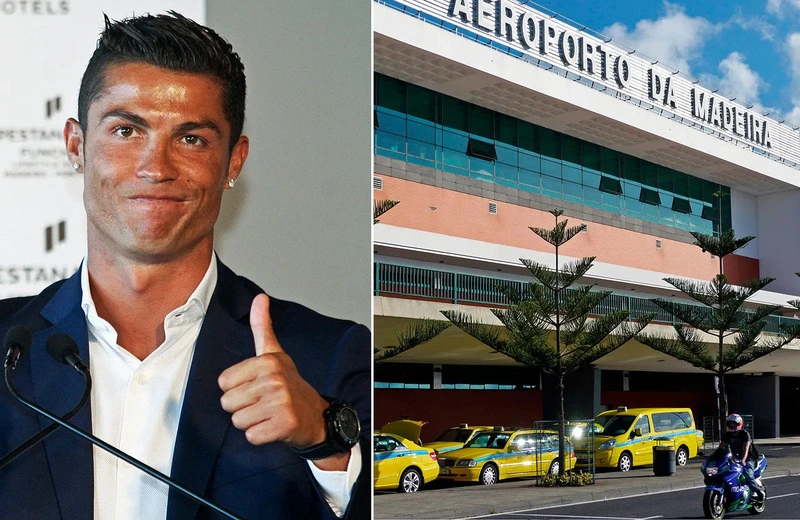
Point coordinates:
[(726, 486)]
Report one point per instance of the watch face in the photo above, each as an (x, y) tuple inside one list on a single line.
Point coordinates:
[(348, 424)]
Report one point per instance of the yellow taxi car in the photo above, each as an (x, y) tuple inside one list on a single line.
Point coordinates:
[(455, 438), (401, 464), (629, 435), (505, 453)]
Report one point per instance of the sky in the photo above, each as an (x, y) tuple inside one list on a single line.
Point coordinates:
[(748, 49)]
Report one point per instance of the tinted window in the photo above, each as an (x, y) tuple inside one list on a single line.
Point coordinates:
[(454, 435), (644, 424), (618, 425), (488, 440), (671, 421)]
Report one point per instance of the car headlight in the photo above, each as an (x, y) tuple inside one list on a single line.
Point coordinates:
[(466, 463), (577, 432), (711, 471), (608, 444)]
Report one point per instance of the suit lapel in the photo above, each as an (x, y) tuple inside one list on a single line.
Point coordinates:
[(223, 342), (58, 388)]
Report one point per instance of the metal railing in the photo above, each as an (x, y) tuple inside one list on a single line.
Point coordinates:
[(454, 287)]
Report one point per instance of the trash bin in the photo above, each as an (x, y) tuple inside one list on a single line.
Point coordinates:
[(664, 458)]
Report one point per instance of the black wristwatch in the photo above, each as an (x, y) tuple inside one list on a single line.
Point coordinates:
[(342, 431)]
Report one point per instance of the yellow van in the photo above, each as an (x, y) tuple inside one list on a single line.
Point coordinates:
[(629, 435)]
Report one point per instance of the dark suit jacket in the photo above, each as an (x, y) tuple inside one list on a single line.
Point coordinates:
[(212, 458)]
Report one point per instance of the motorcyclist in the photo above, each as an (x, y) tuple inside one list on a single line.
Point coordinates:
[(738, 441)]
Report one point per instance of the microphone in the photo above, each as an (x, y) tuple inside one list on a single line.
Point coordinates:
[(18, 339), (76, 362), (60, 346)]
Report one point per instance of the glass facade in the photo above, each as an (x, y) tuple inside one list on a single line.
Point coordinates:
[(421, 126)]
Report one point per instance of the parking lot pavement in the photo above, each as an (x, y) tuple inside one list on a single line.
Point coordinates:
[(450, 501)]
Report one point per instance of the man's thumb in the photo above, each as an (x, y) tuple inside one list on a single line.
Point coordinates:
[(261, 324)]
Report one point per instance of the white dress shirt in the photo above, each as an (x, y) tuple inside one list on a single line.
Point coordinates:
[(136, 407)]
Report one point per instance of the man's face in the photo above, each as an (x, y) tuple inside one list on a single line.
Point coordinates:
[(156, 161)]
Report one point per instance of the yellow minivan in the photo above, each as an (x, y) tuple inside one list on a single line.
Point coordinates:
[(629, 435)]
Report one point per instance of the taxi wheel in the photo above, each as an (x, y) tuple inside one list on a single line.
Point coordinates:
[(488, 475), (682, 456), (625, 462), (554, 467), (410, 481)]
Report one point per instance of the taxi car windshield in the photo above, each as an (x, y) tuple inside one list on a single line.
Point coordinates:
[(489, 440), (618, 425), (454, 435)]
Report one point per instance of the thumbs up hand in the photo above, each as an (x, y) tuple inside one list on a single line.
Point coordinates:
[(265, 394)]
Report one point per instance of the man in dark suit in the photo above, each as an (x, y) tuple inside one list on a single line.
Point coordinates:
[(249, 401)]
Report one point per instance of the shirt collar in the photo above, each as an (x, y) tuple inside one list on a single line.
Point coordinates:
[(200, 298)]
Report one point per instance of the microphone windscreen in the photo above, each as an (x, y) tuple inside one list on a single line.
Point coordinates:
[(19, 336), (59, 345)]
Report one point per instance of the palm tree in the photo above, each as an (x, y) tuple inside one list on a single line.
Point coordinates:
[(551, 305), (721, 315)]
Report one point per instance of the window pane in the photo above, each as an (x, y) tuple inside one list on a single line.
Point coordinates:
[(530, 179), (389, 141), (506, 172), (649, 174), (480, 167), (390, 93), (506, 154), (455, 114), (391, 123), (481, 149), (454, 158), (421, 131), (570, 150), (421, 149), (609, 161), (528, 136), (455, 141), (505, 129), (530, 161), (609, 185), (421, 102), (590, 155), (680, 184), (571, 173), (551, 143), (551, 168), (551, 186), (665, 176), (481, 121), (631, 168), (573, 191)]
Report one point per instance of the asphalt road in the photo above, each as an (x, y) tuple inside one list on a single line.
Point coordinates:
[(783, 501), (636, 494)]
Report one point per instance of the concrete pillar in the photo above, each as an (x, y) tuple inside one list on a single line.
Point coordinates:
[(759, 396)]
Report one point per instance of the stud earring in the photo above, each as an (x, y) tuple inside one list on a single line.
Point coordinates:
[(76, 166), (231, 182)]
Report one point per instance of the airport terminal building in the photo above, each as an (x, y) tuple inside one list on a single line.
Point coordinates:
[(490, 113)]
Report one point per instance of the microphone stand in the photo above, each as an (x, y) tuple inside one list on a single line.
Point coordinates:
[(114, 451), (22, 448)]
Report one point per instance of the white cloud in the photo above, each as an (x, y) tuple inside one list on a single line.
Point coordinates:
[(793, 49), (739, 80), (776, 7), (674, 39)]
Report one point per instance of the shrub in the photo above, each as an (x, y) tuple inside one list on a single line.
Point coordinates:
[(567, 479)]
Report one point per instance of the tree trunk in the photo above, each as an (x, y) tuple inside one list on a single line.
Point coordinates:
[(561, 420)]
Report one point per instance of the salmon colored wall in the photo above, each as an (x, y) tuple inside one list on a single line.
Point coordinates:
[(467, 216), (443, 409)]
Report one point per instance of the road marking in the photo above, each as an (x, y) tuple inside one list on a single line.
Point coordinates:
[(781, 496), (584, 517), (552, 506)]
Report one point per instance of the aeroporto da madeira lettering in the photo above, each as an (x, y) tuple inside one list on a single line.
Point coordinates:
[(594, 58)]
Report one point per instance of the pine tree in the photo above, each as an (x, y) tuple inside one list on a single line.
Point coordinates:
[(382, 206), (721, 315), (551, 305), (419, 332)]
